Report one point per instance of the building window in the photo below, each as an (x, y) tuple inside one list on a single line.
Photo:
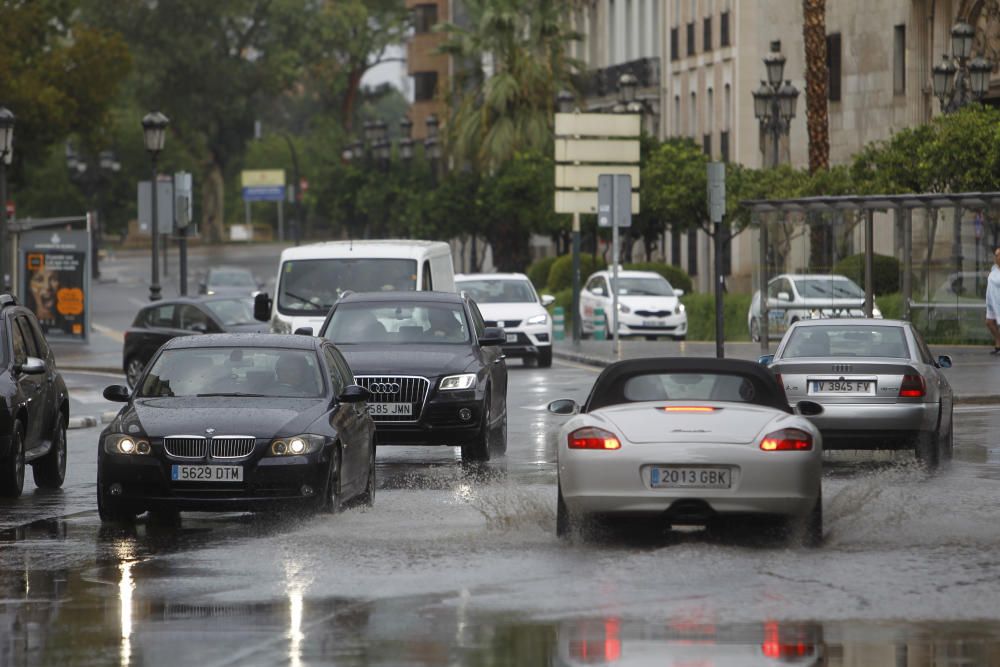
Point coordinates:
[(424, 86), (425, 17), (727, 110), (677, 115), (833, 66), (710, 112), (706, 36), (692, 237), (724, 29), (899, 60), (693, 117), (690, 38), (675, 47), (706, 144), (724, 145)]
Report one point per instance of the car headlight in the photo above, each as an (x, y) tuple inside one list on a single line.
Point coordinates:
[(538, 319), (210, 292), (297, 445), (623, 308), (681, 308), (463, 381), (119, 443)]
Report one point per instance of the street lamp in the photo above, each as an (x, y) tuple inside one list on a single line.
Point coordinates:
[(6, 153), (406, 139), (432, 145), (565, 101), (774, 102), (88, 178), (957, 81), (154, 131)]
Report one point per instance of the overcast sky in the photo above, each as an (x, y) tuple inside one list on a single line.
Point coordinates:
[(391, 72)]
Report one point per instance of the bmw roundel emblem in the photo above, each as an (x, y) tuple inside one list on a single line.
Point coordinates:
[(210, 431)]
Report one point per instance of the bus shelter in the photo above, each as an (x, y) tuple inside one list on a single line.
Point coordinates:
[(943, 242)]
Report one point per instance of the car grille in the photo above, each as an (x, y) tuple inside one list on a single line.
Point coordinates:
[(396, 389), (503, 323), (196, 447), (653, 313)]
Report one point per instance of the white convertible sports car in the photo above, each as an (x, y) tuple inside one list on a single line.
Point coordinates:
[(690, 442)]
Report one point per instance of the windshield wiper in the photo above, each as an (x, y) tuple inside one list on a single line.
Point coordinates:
[(230, 393), (318, 306)]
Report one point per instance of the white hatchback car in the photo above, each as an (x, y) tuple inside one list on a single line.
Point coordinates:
[(792, 297), (509, 301), (648, 305)]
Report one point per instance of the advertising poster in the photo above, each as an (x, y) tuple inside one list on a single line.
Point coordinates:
[(55, 286)]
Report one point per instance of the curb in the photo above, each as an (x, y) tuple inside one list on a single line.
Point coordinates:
[(600, 362), (81, 422), (79, 368)]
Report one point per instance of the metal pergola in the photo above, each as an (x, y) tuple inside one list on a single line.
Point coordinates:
[(903, 206)]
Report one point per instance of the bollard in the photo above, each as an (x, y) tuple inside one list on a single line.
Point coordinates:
[(558, 323), (600, 331)]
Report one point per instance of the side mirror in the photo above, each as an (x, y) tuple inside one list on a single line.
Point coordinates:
[(31, 366), (784, 296), (564, 406), (547, 300), (765, 360), (262, 307), (304, 331), (199, 328), (116, 393), (944, 361), (808, 408), (492, 336), (354, 393), (678, 292)]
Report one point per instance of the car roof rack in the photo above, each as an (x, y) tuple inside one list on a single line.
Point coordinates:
[(7, 299)]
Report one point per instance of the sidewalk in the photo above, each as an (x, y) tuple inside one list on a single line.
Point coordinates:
[(975, 376)]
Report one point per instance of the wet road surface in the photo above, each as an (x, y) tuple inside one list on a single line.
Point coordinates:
[(460, 565)]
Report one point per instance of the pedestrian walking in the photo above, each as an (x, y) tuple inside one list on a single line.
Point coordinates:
[(993, 301)]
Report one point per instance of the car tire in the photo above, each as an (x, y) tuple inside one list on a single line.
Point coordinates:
[(330, 502), (927, 450), (12, 466), (755, 330), (49, 471), (947, 450), (133, 371), (479, 449), (498, 439), (545, 357), (110, 511), (564, 526), (810, 529), (367, 497)]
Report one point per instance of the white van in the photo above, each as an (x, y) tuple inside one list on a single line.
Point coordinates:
[(312, 277)]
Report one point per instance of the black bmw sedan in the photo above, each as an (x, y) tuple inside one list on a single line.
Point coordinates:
[(436, 373), (237, 422)]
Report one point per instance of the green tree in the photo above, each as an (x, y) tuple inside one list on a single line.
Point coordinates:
[(513, 60)]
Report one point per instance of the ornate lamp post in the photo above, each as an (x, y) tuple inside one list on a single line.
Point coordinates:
[(84, 173), (6, 153), (154, 130), (774, 102), (432, 145), (406, 140), (959, 81)]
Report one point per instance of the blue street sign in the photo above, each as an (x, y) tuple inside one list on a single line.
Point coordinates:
[(264, 193)]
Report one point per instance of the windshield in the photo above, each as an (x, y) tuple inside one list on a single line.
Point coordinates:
[(312, 286), (354, 323), (653, 286), (499, 291), (690, 387), (834, 288), (234, 371), (231, 312), (846, 340), (231, 278)]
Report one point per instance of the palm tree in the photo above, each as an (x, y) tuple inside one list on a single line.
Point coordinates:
[(817, 120), (511, 62)]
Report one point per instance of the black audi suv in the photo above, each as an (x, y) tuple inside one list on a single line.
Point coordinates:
[(237, 422), (436, 372)]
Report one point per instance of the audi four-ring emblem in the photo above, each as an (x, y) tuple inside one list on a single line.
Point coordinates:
[(384, 387)]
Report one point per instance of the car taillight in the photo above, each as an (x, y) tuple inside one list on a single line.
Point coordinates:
[(690, 408), (913, 386), (590, 437), (787, 440), (774, 647)]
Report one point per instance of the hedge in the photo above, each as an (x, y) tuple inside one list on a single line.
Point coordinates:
[(538, 273), (561, 273), (701, 316), (886, 272)]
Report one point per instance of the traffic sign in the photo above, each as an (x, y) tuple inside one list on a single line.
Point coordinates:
[(585, 176), (584, 201), (716, 191), (597, 150), (263, 184), (597, 125)]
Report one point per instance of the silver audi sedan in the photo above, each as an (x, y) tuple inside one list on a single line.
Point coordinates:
[(878, 383)]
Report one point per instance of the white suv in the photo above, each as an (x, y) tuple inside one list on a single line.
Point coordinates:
[(509, 301), (648, 305)]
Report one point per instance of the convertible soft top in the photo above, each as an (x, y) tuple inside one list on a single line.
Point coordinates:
[(609, 387)]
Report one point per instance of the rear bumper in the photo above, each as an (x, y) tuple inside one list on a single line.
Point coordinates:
[(879, 426)]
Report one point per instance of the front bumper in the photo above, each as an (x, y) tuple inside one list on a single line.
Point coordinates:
[(528, 340), (617, 482), (635, 325), (268, 482), (874, 426), (440, 422)]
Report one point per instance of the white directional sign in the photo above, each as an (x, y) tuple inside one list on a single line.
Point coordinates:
[(584, 201), (584, 176), (597, 150), (588, 145), (597, 125)]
